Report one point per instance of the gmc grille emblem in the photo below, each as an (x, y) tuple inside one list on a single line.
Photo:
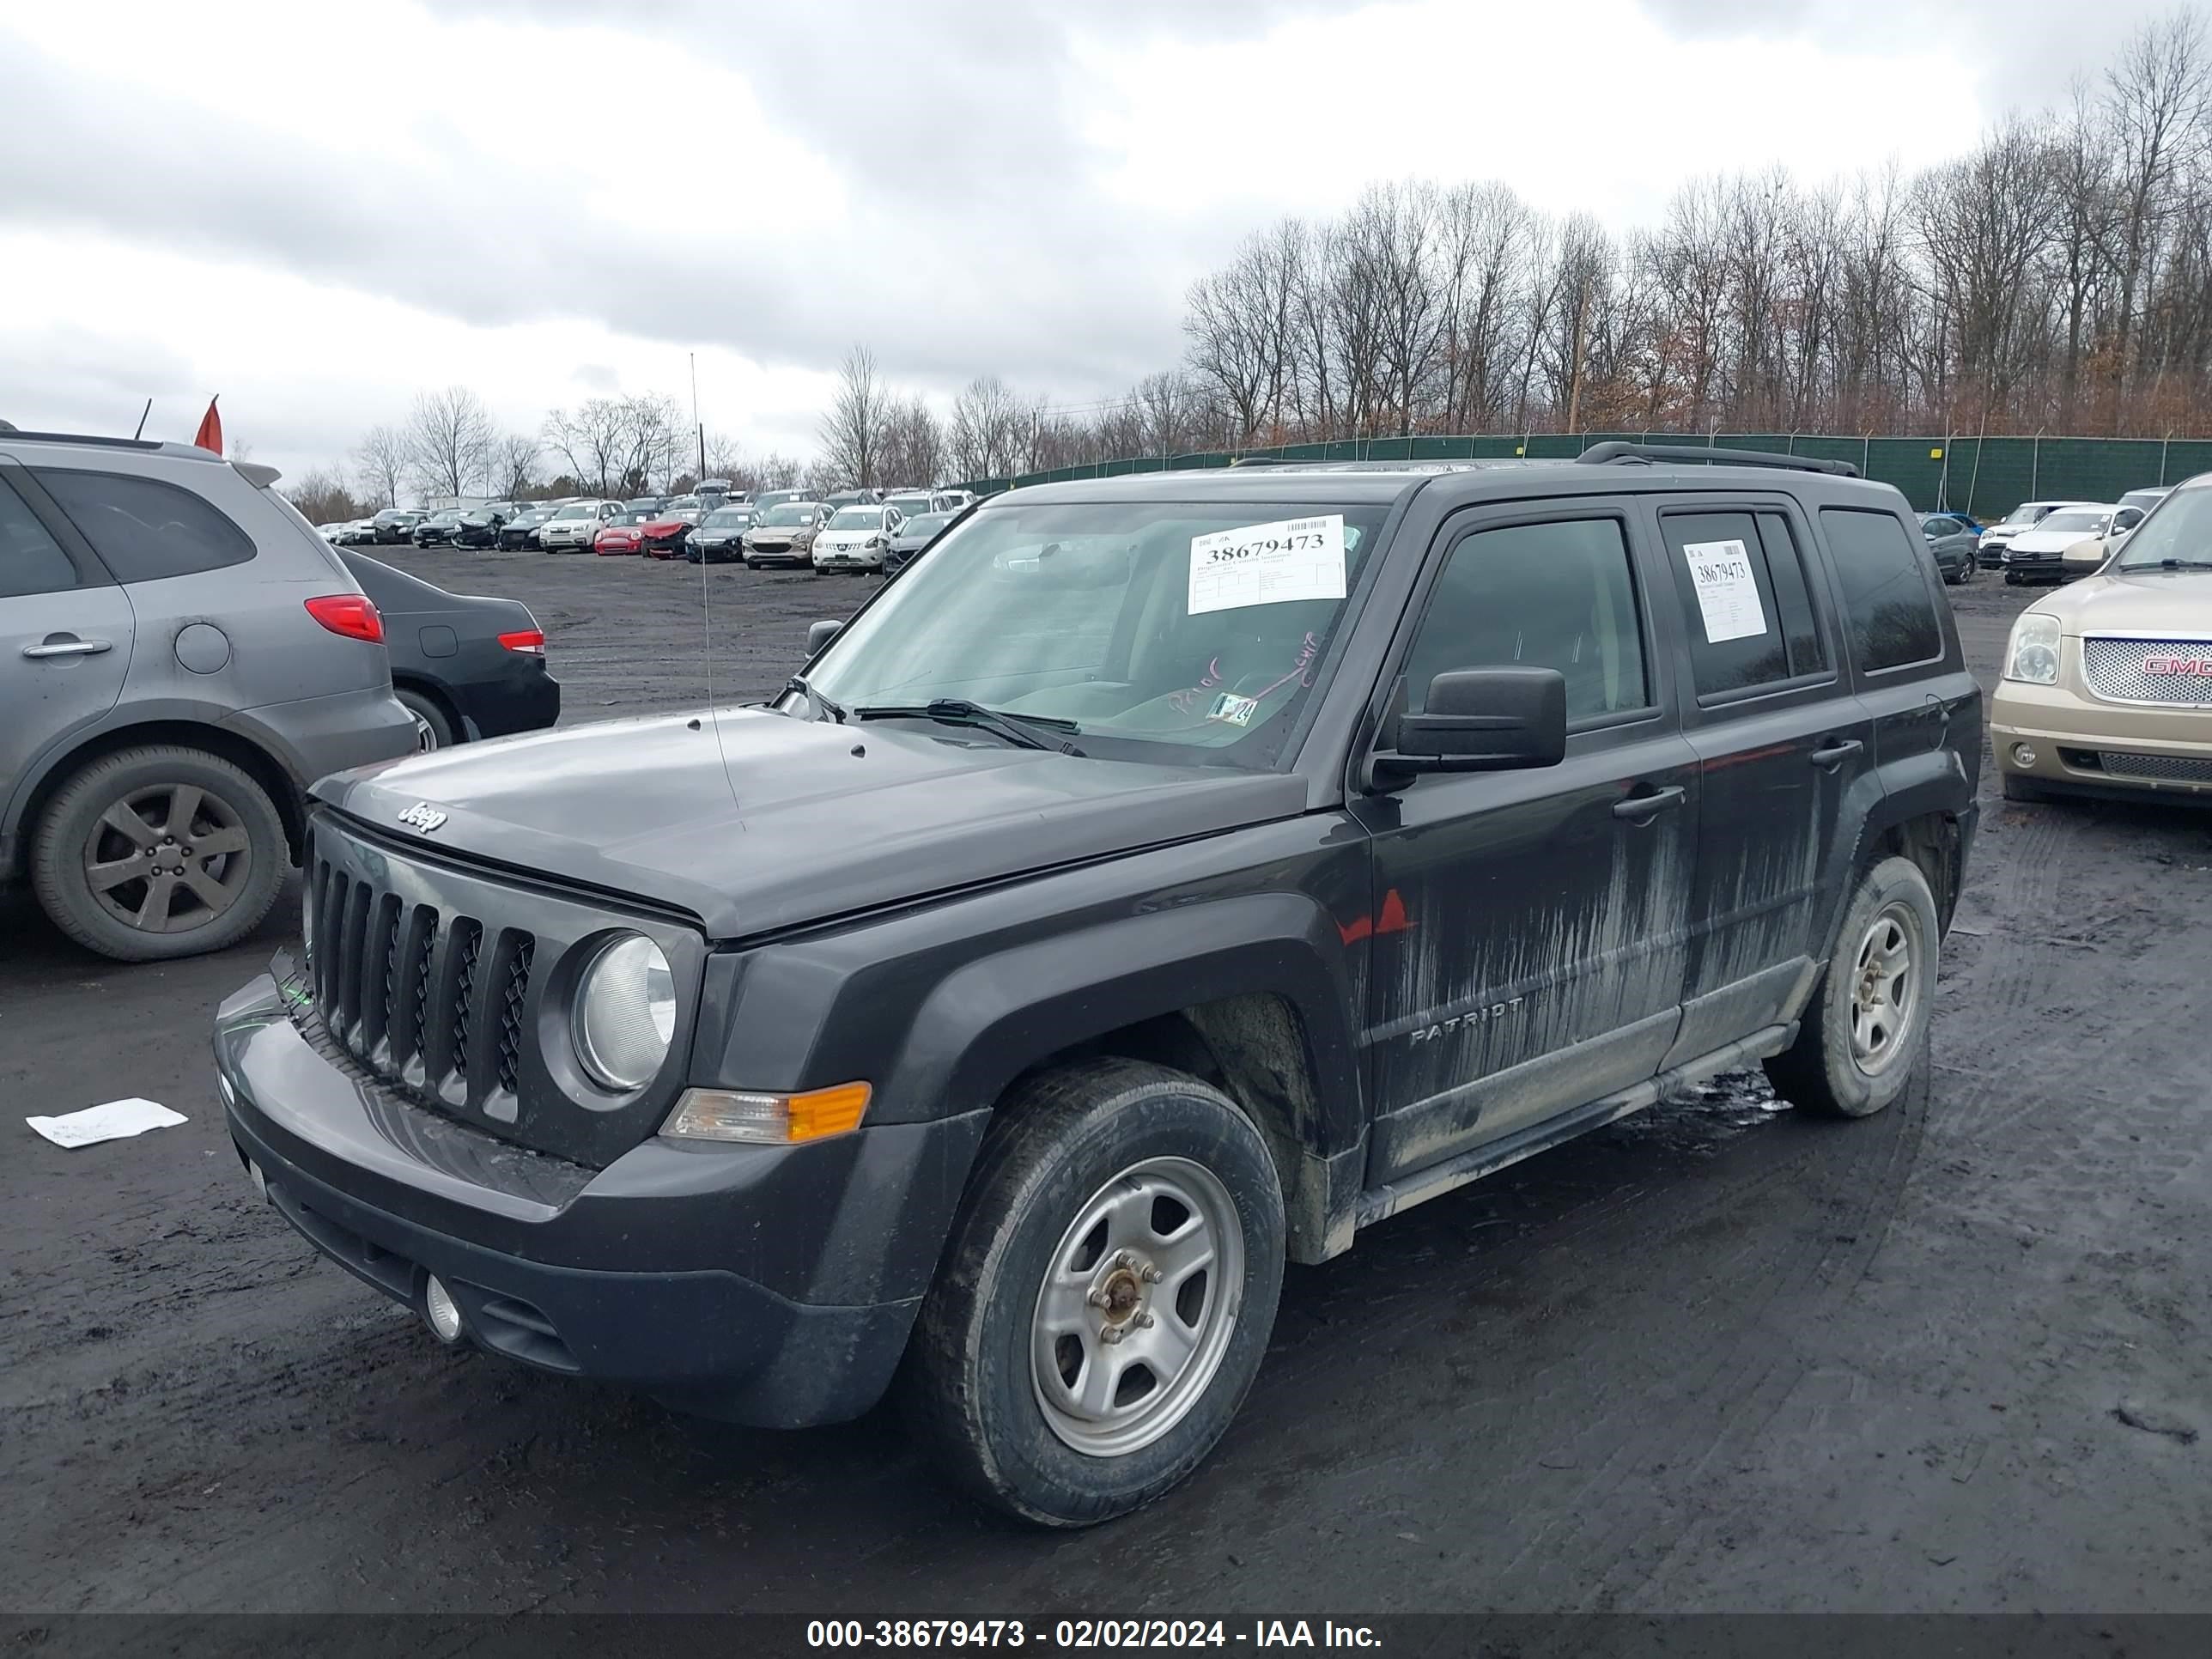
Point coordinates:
[(422, 815), (2192, 667)]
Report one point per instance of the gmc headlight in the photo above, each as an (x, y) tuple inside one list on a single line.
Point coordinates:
[(2032, 656), (625, 1013)]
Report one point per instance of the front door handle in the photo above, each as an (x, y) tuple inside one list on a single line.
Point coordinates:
[(1835, 754), (67, 646), (1641, 809)]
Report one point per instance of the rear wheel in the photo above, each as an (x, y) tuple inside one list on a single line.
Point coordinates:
[(159, 851), (1864, 1033), (434, 727), (1106, 1297)]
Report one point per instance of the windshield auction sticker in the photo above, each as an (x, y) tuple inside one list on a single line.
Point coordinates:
[(1728, 594), (1267, 564)]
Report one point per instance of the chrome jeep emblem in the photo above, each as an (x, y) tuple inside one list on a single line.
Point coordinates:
[(422, 815)]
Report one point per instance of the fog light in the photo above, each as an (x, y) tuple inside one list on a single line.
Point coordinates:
[(442, 1311), (2023, 754)]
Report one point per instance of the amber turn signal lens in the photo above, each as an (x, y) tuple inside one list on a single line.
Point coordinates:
[(765, 1119)]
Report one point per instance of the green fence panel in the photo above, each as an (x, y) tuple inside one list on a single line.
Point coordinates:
[(1983, 477)]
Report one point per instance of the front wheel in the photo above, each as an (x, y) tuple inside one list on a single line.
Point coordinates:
[(1864, 1033), (1106, 1296)]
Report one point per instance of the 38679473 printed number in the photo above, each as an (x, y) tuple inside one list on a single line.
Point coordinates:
[(1066, 1634)]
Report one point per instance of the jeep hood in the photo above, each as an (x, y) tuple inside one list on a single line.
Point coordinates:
[(2175, 602), (809, 820)]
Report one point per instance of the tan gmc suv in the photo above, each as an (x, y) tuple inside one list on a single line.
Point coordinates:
[(2107, 686)]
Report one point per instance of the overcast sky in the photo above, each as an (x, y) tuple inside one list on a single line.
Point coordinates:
[(317, 210)]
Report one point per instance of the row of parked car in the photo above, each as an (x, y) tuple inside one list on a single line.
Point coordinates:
[(2065, 540), (863, 530)]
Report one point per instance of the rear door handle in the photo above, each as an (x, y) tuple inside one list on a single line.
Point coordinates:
[(1641, 809), (68, 648), (1835, 754)]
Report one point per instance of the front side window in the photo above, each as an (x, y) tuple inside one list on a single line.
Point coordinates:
[(1745, 605), (31, 561), (1885, 596), (1558, 595), (1164, 631), (144, 529)]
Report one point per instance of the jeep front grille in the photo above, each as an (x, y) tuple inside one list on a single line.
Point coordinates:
[(2165, 768), (429, 1001), (2116, 670)]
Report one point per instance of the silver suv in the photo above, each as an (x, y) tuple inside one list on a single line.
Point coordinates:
[(181, 656)]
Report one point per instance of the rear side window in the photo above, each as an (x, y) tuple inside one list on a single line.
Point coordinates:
[(1555, 595), (1742, 588), (31, 561), (1886, 597), (144, 529)]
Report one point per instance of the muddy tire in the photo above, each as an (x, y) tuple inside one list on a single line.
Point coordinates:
[(1106, 1295), (156, 852), (1864, 1034)]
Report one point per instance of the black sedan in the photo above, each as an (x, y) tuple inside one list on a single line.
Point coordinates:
[(465, 667), (521, 531), (1953, 540), (911, 536), (719, 538), (396, 524), (438, 530)]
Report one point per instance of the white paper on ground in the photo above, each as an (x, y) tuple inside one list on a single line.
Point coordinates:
[(1727, 592), (111, 1121), (1267, 564)]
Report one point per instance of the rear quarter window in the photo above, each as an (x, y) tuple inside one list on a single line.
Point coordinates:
[(144, 529), (1887, 600)]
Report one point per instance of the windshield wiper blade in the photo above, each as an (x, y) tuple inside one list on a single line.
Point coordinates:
[(2175, 564), (815, 699), (1023, 731)]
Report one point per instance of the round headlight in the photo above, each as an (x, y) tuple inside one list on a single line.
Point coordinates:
[(625, 1012)]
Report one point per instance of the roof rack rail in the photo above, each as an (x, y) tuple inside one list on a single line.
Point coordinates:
[(1618, 449), (1262, 460)]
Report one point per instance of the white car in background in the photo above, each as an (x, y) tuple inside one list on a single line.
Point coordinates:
[(1990, 550), (2038, 555), (2085, 557), (571, 529), (856, 538)]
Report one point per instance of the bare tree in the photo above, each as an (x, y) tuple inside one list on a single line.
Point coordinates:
[(913, 445), (987, 436), (592, 442), (653, 440), (323, 496), (852, 430), (450, 441), (2156, 98), (515, 466), (381, 459)]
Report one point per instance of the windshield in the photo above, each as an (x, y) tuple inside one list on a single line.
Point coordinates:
[(857, 517), (2143, 499), (927, 525), (788, 514), (1173, 631), (729, 517), (450, 515), (2026, 512), (912, 505), (637, 515), (2180, 530), (2089, 524), (571, 514)]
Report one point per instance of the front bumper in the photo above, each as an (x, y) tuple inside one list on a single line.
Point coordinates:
[(683, 1271), (846, 558), (2081, 742)]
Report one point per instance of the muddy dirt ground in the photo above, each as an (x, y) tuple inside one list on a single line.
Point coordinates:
[(1956, 1357)]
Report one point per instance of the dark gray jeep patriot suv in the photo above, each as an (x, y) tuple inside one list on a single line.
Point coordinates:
[(1168, 876)]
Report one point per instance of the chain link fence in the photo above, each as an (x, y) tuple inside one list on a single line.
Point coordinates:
[(1984, 478)]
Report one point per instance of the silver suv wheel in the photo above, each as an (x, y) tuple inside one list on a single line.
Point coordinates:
[(1137, 1307)]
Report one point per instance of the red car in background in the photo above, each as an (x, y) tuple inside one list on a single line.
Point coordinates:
[(623, 534), (665, 532)]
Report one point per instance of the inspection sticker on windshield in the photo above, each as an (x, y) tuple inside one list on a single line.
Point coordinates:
[(1267, 564), (1232, 709), (1728, 594)]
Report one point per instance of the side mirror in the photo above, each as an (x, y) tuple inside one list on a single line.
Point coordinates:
[(1484, 720), (828, 630)]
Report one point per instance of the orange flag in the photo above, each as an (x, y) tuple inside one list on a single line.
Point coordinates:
[(209, 436)]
